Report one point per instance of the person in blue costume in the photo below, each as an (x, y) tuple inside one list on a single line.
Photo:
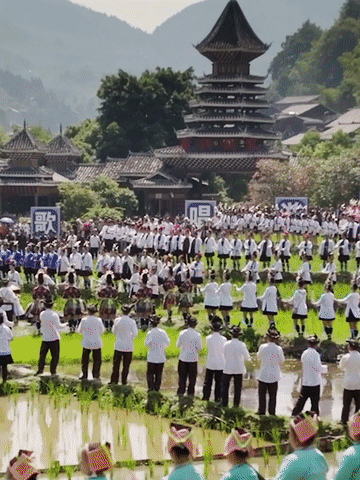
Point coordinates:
[(95, 460), (350, 462), (237, 450), (306, 462), (182, 451)]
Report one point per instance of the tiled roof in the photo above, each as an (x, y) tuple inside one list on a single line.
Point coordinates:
[(160, 180), (348, 118), (196, 165), (62, 145), (346, 128), (24, 141), (136, 165), (232, 32), (295, 140), (301, 99), (299, 109), (141, 164), (22, 172)]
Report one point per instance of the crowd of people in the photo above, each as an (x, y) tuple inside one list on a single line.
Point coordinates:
[(306, 462), (159, 261)]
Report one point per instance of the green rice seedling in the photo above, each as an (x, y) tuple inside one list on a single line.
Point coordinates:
[(167, 464), (124, 436), (266, 457), (208, 456), (151, 468), (69, 470), (130, 464), (54, 470)]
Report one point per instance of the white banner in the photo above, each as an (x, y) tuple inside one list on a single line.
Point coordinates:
[(45, 221), (291, 204), (199, 211)]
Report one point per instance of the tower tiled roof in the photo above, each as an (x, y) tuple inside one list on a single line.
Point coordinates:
[(232, 32), (62, 145), (24, 141)]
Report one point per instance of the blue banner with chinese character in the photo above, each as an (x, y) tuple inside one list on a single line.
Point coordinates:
[(45, 221)]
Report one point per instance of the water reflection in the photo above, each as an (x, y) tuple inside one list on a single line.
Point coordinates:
[(288, 391)]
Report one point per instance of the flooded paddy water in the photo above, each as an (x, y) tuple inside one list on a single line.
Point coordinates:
[(288, 391), (55, 431)]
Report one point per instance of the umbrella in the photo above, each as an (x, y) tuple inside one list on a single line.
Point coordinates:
[(6, 220)]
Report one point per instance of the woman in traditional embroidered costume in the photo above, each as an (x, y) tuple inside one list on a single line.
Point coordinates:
[(74, 307), (185, 300), (40, 292), (20, 467), (95, 460), (237, 450), (182, 451), (108, 295), (144, 306), (169, 287)]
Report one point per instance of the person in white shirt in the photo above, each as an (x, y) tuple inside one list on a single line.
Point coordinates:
[(235, 353), (330, 269), (197, 272), (253, 267), (156, 340), (249, 304), (343, 247), (305, 270), (91, 327), (86, 266), (300, 310), (352, 312), (327, 246), (350, 364), (271, 357), (126, 331), (212, 299), (189, 342), (270, 301), (311, 380), (11, 302), (95, 243), (327, 310), (225, 298), (224, 249), (210, 247), (265, 251), (6, 337), (14, 276), (277, 268), (49, 326), (249, 246), (215, 360), (285, 253), (235, 255)]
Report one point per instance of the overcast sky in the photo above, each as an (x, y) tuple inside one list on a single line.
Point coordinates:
[(144, 14)]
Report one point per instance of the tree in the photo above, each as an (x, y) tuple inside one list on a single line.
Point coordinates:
[(41, 134), (351, 8), (112, 196), (86, 137), (76, 199), (141, 113), (3, 136), (294, 46)]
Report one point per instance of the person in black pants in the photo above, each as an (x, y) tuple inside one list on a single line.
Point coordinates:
[(235, 353), (50, 326), (156, 340), (189, 342), (125, 330), (215, 360), (350, 364), (91, 327)]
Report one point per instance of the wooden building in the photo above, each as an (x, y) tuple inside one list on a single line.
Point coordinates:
[(228, 131)]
